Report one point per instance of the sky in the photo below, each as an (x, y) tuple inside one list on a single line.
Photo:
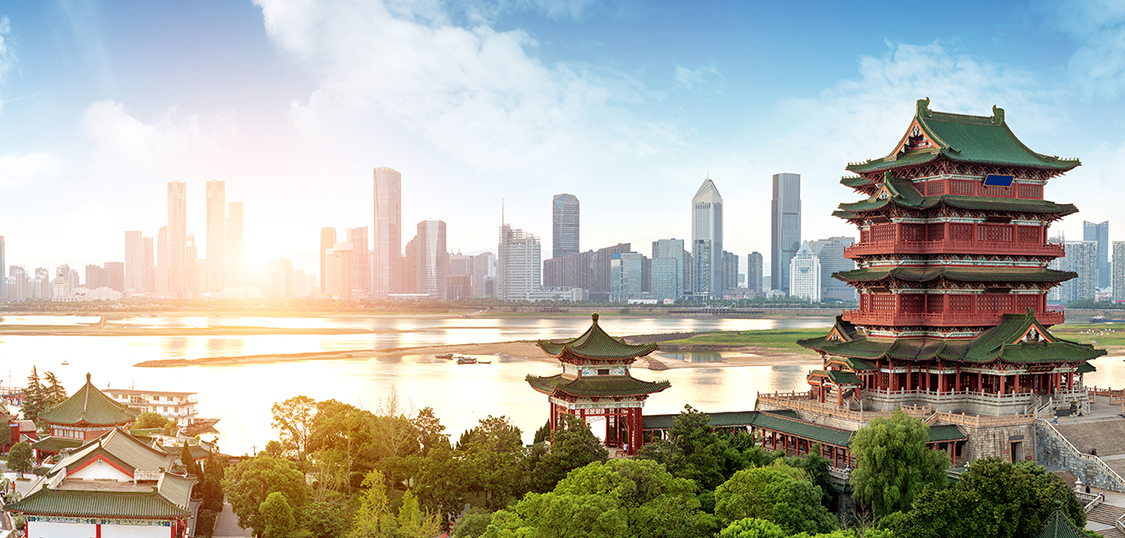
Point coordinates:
[(628, 105)]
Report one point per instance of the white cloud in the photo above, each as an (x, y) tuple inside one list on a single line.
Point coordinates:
[(691, 78), (19, 171), (1098, 65), (7, 55)]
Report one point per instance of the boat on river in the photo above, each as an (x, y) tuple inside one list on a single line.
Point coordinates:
[(466, 360), (446, 356)]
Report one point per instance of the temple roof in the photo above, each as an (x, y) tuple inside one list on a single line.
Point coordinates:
[(903, 193), (837, 377), (55, 444), (130, 453), (1060, 526), (957, 137), (958, 274), (90, 406), (597, 345), (596, 386), (1011, 341)]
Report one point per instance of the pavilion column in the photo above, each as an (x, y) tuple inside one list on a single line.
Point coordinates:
[(1017, 384), (980, 379), (957, 379), (1003, 379)]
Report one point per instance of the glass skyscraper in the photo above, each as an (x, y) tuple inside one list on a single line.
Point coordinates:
[(1099, 233), (707, 241), (386, 271), (785, 227), (564, 225)]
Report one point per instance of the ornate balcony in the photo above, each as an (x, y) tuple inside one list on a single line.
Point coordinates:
[(953, 247), (940, 319)]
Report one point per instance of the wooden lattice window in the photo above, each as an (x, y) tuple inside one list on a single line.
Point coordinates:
[(960, 303), (864, 236), (995, 190), (1023, 302), (994, 303), (961, 232), (994, 232), (883, 302), (934, 303), (914, 232), (883, 232), (935, 187), (1033, 192), (961, 186), (911, 302), (1028, 234), (935, 232)]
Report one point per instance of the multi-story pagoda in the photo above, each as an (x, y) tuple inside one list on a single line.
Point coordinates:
[(952, 279), (595, 382), (84, 416)]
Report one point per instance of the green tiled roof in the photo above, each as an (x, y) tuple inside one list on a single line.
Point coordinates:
[(971, 139), (1086, 368), (1013, 205), (959, 274), (837, 377), (56, 444), (596, 344), (726, 419), (1060, 526), (90, 406), (793, 426), (946, 432), (856, 365), (128, 451), (853, 181), (48, 501), (596, 385), (998, 343)]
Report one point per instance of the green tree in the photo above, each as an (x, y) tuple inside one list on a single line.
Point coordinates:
[(574, 446), (293, 419), (19, 458), (752, 527), (414, 522), (53, 391), (779, 493), (324, 519), (553, 515), (188, 460), (893, 464), (993, 498), (492, 456), (149, 420), (542, 434), (249, 483), (431, 432), (35, 401), (473, 523), (276, 516), (211, 488), (694, 451), (373, 519)]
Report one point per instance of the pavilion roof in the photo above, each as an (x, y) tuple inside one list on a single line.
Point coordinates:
[(128, 451), (596, 386), (955, 273), (722, 419), (55, 444), (1006, 342), (902, 192), (169, 498), (804, 429), (597, 345), (936, 135), (90, 406), (1060, 526), (837, 377)]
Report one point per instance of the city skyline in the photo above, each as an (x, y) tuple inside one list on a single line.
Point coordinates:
[(294, 120)]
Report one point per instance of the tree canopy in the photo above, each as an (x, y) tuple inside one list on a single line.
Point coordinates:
[(574, 446), (249, 483), (19, 458), (893, 464), (778, 493)]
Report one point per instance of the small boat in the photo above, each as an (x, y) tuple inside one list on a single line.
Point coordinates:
[(446, 356), (466, 360), (484, 362), (64, 363)]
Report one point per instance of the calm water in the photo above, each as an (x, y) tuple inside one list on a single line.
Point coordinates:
[(459, 394)]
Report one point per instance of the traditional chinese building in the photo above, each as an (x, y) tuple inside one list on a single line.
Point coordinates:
[(86, 415), (952, 276), (115, 485), (595, 382)]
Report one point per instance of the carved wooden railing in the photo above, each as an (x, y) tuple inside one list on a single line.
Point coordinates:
[(875, 317)]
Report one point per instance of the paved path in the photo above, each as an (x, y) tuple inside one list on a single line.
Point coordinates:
[(226, 525), (1101, 518)]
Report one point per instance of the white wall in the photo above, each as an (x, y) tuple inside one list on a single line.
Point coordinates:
[(99, 470)]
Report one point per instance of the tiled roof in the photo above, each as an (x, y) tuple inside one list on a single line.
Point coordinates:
[(837, 377), (48, 501), (56, 444), (725, 419), (596, 385), (958, 274), (963, 138), (127, 450), (596, 344), (90, 406), (806, 430), (946, 432), (1060, 526)]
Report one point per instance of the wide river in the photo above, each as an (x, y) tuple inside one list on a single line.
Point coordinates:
[(460, 395)]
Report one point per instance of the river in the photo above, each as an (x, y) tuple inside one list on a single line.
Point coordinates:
[(459, 394)]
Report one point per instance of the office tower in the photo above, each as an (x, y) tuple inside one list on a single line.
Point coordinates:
[(830, 253), (177, 239), (460, 264), (62, 286), (361, 263), (459, 281), (785, 227), (277, 278), (386, 274), (216, 235), (96, 277), (162, 261), (572, 271), (1119, 271), (564, 225), (148, 266), (804, 274), (1082, 258), (3, 271), (41, 284), (338, 270), (600, 278), (134, 262), (707, 241), (327, 239), (193, 276), (668, 268), (754, 272), (517, 271), (484, 275), (409, 281), (115, 275), (235, 246), (626, 276), (1099, 233), (432, 260), (730, 271)]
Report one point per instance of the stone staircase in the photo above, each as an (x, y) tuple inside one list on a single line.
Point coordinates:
[(1106, 514), (1107, 435)]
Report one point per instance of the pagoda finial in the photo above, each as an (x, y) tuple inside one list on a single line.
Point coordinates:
[(997, 115), (924, 107), (595, 317), (87, 377)]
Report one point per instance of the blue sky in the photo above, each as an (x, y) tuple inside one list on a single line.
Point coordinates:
[(625, 104)]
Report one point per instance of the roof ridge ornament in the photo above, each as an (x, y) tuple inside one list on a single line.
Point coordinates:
[(997, 115), (924, 108)]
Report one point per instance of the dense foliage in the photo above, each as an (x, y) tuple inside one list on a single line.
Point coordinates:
[(893, 464)]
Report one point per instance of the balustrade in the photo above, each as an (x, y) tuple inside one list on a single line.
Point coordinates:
[(954, 247), (942, 319)]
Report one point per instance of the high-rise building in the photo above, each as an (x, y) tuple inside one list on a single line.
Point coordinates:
[(707, 241), (1099, 233), (754, 272), (409, 281), (149, 278), (177, 240), (361, 263), (115, 275), (804, 274), (216, 235), (600, 277), (564, 225), (668, 268), (517, 271), (484, 275), (570, 271), (134, 262), (386, 274), (338, 282), (1082, 258), (459, 281), (327, 240), (730, 271), (277, 278), (235, 246), (162, 249), (785, 227), (3, 271), (1118, 270), (626, 276), (830, 253), (432, 263), (193, 273)]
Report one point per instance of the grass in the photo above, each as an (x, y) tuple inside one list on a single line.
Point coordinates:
[(1102, 335), (773, 338)]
